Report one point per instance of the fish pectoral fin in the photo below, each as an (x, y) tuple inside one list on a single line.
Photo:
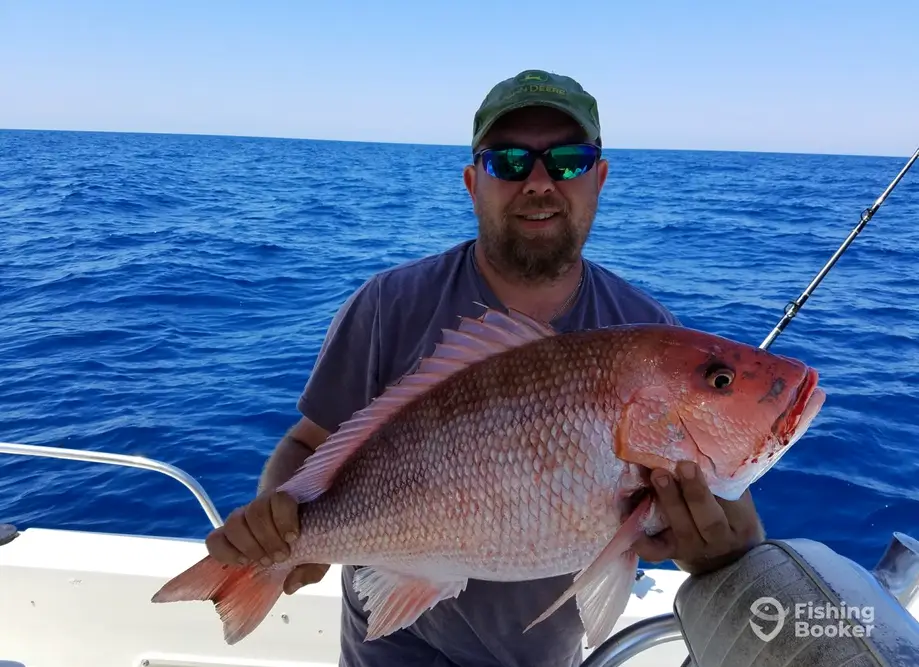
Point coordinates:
[(396, 600), (602, 601), (611, 573)]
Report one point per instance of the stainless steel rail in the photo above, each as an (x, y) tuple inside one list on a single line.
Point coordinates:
[(638, 637), (898, 571), (126, 460)]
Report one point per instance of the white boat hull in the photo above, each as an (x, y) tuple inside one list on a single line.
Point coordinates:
[(82, 599)]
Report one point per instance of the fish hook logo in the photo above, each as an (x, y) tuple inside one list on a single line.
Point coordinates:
[(779, 617)]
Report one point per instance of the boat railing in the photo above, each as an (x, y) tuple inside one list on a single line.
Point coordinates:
[(634, 639), (126, 460)]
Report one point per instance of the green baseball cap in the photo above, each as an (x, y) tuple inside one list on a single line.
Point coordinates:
[(534, 87)]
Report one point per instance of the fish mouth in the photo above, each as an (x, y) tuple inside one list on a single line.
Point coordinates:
[(808, 401), (792, 424)]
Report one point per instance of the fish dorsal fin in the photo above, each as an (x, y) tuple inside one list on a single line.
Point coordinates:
[(474, 340)]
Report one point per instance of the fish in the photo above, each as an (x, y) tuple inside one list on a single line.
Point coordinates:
[(515, 452)]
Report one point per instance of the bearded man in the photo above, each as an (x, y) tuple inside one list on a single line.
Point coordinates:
[(535, 178)]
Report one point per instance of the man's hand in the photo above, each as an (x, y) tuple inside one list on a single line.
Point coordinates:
[(262, 532), (705, 533)]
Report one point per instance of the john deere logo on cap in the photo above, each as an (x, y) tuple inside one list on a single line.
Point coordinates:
[(534, 82), (537, 77)]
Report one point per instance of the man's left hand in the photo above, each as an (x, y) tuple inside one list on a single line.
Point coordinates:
[(705, 533)]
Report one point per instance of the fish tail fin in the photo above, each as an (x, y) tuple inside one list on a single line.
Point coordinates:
[(242, 594), (603, 587)]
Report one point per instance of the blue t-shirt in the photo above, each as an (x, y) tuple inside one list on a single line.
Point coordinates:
[(380, 333)]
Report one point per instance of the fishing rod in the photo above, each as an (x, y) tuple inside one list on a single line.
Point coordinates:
[(794, 306)]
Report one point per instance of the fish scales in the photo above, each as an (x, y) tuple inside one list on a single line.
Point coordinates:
[(495, 472)]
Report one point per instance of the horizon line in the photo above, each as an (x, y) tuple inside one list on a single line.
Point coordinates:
[(440, 145)]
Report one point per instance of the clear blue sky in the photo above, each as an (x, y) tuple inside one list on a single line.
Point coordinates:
[(809, 76)]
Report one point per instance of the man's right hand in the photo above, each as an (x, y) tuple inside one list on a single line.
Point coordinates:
[(263, 531)]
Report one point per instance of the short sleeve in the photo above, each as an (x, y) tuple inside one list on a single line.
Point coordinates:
[(344, 378), (670, 318)]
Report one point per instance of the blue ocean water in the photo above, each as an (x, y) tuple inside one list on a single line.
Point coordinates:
[(166, 296)]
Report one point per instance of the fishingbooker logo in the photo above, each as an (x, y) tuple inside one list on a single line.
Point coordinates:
[(761, 610), (810, 620)]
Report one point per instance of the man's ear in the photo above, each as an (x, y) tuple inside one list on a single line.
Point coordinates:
[(469, 179)]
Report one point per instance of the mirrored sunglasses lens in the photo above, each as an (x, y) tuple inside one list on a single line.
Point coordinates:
[(509, 164), (567, 162)]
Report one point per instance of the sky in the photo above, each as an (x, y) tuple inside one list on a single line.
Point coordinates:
[(810, 76)]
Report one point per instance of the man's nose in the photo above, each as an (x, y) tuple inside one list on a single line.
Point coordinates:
[(538, 182)]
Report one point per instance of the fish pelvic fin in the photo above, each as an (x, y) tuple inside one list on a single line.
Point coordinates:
[(602, 589), (396, 600), (473, 340), (242, 595)]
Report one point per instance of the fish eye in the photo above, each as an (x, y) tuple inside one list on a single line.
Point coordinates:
[(720, 377)]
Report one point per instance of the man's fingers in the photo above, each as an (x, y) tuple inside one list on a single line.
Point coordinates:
[(240, 536), (740, 511), (260, 520), (219, 547), (656, 548), (743, 518), (260, 532), (286, 516), (706, 512), (673, 507), (304, 575)]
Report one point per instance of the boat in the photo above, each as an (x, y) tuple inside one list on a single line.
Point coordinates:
[(71, 598)]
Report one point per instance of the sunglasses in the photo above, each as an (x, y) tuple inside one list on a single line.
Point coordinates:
[(563, 163)]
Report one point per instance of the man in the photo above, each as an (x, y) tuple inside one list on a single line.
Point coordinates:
[(535, 210)]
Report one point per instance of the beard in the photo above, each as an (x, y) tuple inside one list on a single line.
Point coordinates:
[(533, 258)]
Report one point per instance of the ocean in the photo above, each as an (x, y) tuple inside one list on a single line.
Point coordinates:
[(167, 295)]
